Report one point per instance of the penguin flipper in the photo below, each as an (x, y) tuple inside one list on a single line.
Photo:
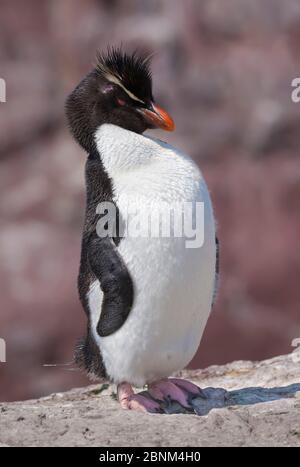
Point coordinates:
[(115, 281)]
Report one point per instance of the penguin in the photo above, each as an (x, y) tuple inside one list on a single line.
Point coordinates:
[(147, 299)]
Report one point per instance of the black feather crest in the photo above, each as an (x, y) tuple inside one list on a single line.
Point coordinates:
[(133, 70)]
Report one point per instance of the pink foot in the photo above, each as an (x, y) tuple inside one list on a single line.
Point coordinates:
[(139, 402), (175, 390), (166, 390), (189, 387), (169, 395)]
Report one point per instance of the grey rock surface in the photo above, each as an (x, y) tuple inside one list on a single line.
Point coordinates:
[(248, 404)]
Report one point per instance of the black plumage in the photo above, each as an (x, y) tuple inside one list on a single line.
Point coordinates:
[(133, 70), (95, 100)]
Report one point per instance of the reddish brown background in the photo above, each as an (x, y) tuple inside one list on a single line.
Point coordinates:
[(224, 71)]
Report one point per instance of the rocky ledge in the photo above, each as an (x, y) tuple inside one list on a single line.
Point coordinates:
[(247, 404)]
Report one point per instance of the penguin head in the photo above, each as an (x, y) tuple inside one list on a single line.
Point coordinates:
[(117, 91)]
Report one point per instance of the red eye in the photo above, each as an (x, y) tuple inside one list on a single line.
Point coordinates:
[(121, 102)]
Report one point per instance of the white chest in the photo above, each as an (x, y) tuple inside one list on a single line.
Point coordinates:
[(173, 283)]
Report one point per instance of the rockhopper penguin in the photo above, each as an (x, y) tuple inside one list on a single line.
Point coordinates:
[(147, 299)]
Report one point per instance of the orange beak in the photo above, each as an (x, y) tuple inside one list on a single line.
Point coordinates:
[(158, 117)]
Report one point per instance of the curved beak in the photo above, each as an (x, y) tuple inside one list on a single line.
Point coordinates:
[(158, 117)]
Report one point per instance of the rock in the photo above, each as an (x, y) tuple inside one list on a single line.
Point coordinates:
[(258, 405)]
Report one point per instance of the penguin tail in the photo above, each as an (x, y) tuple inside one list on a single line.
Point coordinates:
[(88, 358)]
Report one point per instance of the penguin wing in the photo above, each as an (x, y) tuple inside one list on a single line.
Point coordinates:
[(100, 254), (115, 281)]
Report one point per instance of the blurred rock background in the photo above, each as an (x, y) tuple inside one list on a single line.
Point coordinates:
[(223, 69)]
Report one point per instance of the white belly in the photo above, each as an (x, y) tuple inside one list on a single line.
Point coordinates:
[(173, 284)]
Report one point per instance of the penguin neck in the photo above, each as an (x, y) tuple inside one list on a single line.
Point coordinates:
[(122, 150)]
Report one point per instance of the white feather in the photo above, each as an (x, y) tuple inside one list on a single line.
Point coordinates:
[(173, 284)]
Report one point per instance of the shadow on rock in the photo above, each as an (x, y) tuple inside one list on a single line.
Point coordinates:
[(212, 398)]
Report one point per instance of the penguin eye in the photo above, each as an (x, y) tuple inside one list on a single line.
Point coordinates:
[(121, 102)]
